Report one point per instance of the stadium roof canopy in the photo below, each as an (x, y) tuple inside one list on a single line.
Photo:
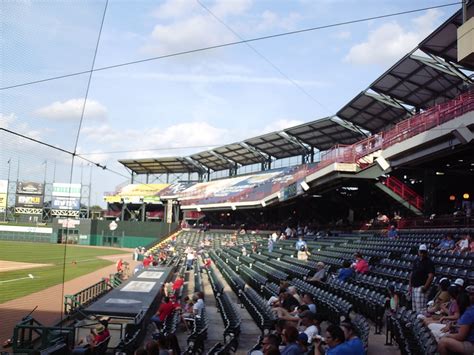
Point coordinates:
[(299, 140), (424, 77), (171, 165)]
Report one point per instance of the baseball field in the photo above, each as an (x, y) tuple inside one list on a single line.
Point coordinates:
[(30, 267)]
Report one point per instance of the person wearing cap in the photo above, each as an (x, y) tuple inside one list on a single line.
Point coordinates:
[(290, 337), (459, 283), (96, 337), (462, 341), (421, 277)]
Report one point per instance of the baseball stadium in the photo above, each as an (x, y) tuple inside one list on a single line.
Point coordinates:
[(237, 177)]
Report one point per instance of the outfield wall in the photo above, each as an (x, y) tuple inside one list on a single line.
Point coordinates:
[(26, 234), (125, 235)]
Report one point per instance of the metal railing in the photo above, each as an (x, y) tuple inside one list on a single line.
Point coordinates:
[(407, 193), (86, 296)]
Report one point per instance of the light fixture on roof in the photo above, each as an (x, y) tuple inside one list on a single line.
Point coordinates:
[(465, 196), (263, 204), (304, 185), (452, 198), (233, 207), (439, 173)]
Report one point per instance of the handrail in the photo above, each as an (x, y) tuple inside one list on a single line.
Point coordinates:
[(404, 191), (85, 296)]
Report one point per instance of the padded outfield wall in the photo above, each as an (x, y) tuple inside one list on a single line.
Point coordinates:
[(91, 232)]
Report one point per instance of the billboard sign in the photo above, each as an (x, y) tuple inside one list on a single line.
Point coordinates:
[(65, 203), (30, 188), (3, 201), (3, 186), (34, 201), (66, 190)]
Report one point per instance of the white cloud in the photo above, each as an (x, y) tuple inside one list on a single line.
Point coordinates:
[(391, 41), (188, 134), (6, 120), (185, 25), (271, 20), (280, 125), (71, 110)]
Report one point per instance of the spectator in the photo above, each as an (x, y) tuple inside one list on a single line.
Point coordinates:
[(166, 308), (461, 341), (447, 243), (290, 336), (302, 341), (152, 348), (303, 253), (392, 232), (190, 259), (294, 292), (270, 341), (270, 244), (392, 299), (335, 340), (346, 272), (96, 337), (309, 301), (320, 274), (421, 276), (300, 243), (440, 298), (462, 244), (310, 328), (352, 340), (361, 266), (199, 303)]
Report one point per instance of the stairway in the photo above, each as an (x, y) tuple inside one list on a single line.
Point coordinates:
[(402, 194)]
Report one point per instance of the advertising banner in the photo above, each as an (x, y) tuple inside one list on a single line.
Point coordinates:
[(3, 186), (136, 193), (3, 201), (30, 188), (65, 203), (169, 212), (34, 201), (66, 190)]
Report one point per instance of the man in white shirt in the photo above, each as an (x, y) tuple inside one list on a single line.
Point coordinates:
[(199, 304), (308, 320)]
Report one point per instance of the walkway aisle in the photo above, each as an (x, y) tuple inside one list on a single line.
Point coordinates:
[(215, 331), (188, 291), (249, 332)]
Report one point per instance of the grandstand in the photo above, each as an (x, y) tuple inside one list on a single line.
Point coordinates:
[(386, 179)]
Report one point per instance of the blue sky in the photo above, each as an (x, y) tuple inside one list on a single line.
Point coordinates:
[(202, 99)]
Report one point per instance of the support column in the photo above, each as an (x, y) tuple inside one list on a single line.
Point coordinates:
[(429, 193), (144, 208)]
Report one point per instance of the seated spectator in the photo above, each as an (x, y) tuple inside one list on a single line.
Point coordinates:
[(300, 243), (270, 341), (392, 232), (303, 253), (166, 308), (290, 337), (294, 292), (309, 301), (310, 325), (462, 244), (352, 340), (441, 297), (346, 272), (361, 266), (447, 243), (461, 341), (96, 337), (198, 303), (320, 275), (335, 341), (302, 341)]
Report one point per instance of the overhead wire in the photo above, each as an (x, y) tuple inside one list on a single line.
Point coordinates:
[(229, 44), (273, 65)]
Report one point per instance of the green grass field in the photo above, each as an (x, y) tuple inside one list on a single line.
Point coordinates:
[(43, 253)]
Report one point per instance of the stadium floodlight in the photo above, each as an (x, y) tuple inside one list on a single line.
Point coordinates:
[(233, 207), (198, 209), (304, 185), (263, 203)]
